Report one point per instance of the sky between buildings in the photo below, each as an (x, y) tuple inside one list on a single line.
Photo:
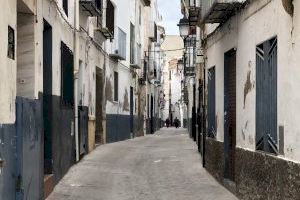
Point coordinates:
[(170, 10)]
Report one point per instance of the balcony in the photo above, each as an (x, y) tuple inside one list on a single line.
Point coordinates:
[(219, 11), (189, 71), (93, 7), (147, 2), (194, 15), (136, 62), (194, 11), (153, 31), (107, 28), (119, 52)]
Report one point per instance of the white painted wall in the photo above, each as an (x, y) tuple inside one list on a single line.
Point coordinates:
[(7, 66), (61, 32), (259, 22), (122, 20)]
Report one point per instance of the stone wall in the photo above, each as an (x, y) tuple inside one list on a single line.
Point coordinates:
[(258, 175)]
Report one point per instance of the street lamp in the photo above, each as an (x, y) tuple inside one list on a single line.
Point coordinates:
[(184, 27), (180, 65)]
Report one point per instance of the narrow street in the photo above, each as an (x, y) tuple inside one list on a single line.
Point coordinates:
[(163, 166)]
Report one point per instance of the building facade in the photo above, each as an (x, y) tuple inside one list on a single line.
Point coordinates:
[(71, 79), (172, 78), (249, 141)]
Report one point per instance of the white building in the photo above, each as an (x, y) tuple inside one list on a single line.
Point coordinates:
[(173, 49), (70, 80), (251, 55)]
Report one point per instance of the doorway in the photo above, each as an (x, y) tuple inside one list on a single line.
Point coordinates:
[(131, 112), (47, 88), (99, 138), (230, 113), (194, 116), (211, 103), (151, 115)]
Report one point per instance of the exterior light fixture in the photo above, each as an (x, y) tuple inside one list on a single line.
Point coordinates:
[(180, 65), (184, 27)]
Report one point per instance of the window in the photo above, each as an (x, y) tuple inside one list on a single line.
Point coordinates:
[(67, 77), (116, 86), (65, 6), (122, 43), (132, 39), (11, 43), (110, 17), (98, 4), (266, 97), (140, 15), (138, 54)]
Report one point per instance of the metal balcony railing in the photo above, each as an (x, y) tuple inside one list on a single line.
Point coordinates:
[(93, 7), (147, 2), (219, 11), (189, 71)]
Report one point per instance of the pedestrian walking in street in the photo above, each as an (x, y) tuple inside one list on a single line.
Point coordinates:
[(176, 122), (167, 122)]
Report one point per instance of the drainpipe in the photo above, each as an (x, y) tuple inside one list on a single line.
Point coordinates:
[(76, 70)]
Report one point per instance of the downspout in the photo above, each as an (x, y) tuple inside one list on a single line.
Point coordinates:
[(76, 70), (106, 64)]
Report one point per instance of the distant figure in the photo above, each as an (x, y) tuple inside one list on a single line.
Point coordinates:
[(168, 122), (176, 122)]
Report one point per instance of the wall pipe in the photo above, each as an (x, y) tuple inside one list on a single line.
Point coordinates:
[(76, 70)]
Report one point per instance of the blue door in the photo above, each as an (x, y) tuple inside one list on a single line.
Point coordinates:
[(211, 103), (266, 96)]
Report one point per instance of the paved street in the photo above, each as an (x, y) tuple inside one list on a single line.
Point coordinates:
[(164, 166)]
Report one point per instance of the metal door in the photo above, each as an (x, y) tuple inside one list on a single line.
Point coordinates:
[(83, 130), (194, 120), (151, 115), (47, 101), (199, 118), (8, 162), (230, 113), (266, 96), (99, 107), (131, 111), (211, 103)]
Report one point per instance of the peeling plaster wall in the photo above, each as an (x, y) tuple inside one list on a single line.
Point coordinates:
[(61, 32), (7, 66), (25, 56), (258, 22), (91, 58), (117, 107)]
